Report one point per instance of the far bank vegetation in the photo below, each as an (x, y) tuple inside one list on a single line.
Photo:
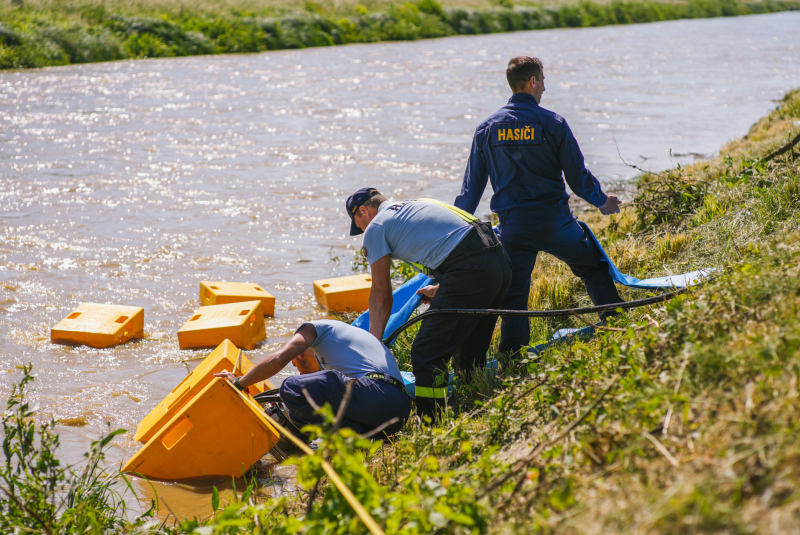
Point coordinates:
[(40, 33)]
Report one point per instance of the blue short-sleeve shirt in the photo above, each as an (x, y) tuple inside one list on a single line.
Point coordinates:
[(415, 231), (351, 351)]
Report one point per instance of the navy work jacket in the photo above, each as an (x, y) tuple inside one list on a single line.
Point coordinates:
[(524, 148)]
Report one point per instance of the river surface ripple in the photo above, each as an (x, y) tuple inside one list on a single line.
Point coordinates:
[(130, 182)]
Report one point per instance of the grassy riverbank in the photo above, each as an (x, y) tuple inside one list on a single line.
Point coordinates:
[(685, 420), (44, 33)]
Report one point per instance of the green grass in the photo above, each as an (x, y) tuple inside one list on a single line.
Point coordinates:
[(687, 423), (60, 32), (39, 494)]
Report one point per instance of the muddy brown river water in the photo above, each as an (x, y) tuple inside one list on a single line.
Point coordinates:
[(131, 182)]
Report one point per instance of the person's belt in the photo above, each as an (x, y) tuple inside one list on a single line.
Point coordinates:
[(385, 377), (479, 240)]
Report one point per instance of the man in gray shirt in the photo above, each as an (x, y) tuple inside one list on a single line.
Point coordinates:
[(344, 353), (470, 270)]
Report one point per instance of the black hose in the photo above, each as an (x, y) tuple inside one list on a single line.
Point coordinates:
[(267, 399), (534, 313), (267, 395)]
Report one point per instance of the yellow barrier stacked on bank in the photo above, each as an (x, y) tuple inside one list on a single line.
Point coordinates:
[(241, 323), (99, 326), (221, 293), (205, 427), (225, 358), (344, 294)]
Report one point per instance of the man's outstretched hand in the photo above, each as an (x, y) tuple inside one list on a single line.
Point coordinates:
[(611, 206), (227, 375)]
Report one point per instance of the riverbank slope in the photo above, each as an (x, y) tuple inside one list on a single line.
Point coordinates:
[(39, 33)]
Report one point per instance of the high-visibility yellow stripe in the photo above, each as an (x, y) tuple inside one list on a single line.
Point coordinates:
[(427, 392), (419, 267), (466, 216), (463, 214)]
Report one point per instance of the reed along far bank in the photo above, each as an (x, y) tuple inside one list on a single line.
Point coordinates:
[(49, 34)]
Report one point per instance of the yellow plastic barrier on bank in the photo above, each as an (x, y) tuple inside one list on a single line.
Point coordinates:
[(241, 323), (99, 326), (221, 293), (344, 294), (205, 427), (220, 432), (225, 358)]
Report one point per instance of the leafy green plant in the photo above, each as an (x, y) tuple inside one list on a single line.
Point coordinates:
[(667, 199), (41, 495)]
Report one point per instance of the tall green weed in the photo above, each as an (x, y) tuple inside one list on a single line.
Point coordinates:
[(40, 495)]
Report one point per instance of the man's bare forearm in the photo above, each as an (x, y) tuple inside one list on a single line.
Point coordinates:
[(265, 369), (380, 296), (275, 362), (380, 309)]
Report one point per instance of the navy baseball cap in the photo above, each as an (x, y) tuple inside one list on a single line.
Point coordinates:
[(353, 202)]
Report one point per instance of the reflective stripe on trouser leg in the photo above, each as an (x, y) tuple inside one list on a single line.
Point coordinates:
[(428, 392), (431, 403)]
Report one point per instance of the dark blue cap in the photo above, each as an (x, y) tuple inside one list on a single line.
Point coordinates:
[(353, 202)]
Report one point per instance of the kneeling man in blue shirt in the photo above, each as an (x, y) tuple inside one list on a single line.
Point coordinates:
[(344, 353)]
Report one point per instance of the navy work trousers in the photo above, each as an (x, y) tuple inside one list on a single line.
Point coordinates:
[(523, 235), (373, 402)]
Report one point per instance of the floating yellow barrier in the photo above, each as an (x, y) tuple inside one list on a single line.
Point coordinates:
[(221, 293), (225, 358), (220, 432), (344, 294), (241, 323), (99, 325)]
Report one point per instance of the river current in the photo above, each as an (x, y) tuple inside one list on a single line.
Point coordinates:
[(130, 182)]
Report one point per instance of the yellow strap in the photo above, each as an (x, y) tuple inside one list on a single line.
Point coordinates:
[(419, 267), (427, 392), (466, 216)]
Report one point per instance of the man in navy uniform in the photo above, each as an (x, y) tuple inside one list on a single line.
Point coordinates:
[(524, 149), (469, 267)]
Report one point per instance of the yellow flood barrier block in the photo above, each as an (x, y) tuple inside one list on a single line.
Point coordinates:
[(219, 432), (241, 323), (225, 358), (344, 294), (99, 325), (221, 293)]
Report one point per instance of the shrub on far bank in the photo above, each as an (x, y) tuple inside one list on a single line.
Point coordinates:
[(38, 38)]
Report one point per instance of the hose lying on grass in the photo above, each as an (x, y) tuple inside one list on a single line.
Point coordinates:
[(535, 313)]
